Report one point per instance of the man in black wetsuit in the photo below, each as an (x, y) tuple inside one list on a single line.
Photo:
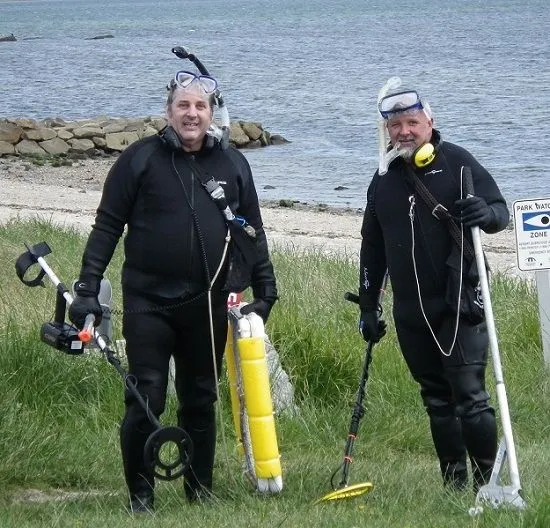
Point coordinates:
[(445, 355), (174, 274)]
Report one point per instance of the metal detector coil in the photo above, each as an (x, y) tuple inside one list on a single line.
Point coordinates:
[(168, 438), (168, 450), (62, 336), (347, 492)]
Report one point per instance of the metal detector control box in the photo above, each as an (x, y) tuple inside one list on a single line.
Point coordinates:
[(62, 336)]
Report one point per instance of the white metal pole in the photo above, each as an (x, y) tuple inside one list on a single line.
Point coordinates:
[(495, 354)]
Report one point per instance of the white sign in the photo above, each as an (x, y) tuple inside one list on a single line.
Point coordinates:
[(532, 226)]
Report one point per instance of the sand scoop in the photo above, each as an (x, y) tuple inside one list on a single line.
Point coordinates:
[(494, 493)]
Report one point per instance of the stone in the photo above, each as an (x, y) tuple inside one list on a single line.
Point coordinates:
[(81, 145), (100, 37), (88, 132), (147, 131), (105, 136), (53, 122), (55, 146), (276, 139), (254, 144), (237, 135), (134, 125), (97, 120), (265, 138), (252, 130), (114, 127), (40, 134), (120, 140), (6, 148), (69, 127), (29, 148), (10, 132), (99, 142), (64, 134), (25, 123), (157, 122)]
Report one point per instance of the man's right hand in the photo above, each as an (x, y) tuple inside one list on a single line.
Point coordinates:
[(83, 305), (260, 306), (372, 328)]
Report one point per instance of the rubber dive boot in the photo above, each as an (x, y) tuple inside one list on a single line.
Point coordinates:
[(198, 477), (142, 503)]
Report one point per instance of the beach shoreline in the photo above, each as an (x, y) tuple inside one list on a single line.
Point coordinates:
[(69, 196)]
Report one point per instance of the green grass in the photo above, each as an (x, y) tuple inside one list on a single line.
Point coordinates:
[(59, 414)]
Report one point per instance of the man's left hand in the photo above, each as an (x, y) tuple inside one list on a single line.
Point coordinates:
[(474, 211), (260, 306)]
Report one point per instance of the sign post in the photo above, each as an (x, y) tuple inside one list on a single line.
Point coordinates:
[(532, 228)]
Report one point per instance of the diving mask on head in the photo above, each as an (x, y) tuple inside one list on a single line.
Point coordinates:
[(385, 154), (402, 102), (397, 103), (185, 79)]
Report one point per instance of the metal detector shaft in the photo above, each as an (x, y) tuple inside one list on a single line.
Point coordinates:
[(493, 342), (358, 413), (111, 358), (358, 410), (164, 469)]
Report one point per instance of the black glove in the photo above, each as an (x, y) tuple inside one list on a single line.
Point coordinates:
[(474, 211), (261, 306), (372, 328), (84, 303)]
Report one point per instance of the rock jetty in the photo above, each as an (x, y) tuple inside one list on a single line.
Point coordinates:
[(8, 38), (104, 135)]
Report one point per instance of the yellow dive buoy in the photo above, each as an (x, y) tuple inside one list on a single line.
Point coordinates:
[(251, 400)]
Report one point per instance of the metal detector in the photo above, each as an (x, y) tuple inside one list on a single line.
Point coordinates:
[(168, 450), (222, 134), (343, 490), (494, 493)]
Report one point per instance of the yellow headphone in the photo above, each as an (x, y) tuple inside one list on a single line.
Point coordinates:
[(423, 155)]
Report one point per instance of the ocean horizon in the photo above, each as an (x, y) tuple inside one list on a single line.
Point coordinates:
[(310, 71)]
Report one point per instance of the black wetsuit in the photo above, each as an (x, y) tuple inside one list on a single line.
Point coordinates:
[(173, 248), (452, 384)]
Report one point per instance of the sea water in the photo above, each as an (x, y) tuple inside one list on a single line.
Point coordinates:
[(310, 71)]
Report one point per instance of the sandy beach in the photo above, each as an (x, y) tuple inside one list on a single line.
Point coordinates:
[(69, 195)]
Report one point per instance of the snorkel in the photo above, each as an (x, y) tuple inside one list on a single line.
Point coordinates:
[(385, 156), (220, 133)]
